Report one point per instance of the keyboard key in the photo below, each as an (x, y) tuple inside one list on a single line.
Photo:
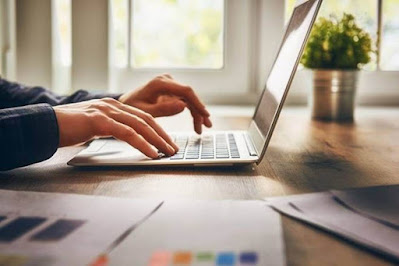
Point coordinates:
[(177, 157), (220, 146)]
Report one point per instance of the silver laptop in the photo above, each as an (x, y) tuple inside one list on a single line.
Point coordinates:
[(227, 147)]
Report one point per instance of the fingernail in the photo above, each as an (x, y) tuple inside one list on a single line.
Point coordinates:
[(154, 153), (175, 147), (170, 149)]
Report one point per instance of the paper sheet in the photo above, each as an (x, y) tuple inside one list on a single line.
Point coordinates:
[(323, 211), (326, 210), (206, 233), (62, 229), (379, 203)]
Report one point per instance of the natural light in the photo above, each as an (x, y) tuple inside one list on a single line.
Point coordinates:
[(191, 33)]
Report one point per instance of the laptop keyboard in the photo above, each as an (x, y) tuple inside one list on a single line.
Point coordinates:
[(219, 146)]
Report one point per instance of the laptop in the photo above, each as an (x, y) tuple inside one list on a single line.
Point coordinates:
[(220, 148)]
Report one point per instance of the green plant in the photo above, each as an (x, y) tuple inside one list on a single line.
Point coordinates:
[(337, 44)]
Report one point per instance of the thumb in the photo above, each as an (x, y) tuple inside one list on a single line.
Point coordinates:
[(166, 108)]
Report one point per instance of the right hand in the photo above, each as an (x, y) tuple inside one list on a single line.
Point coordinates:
[(84, 121)]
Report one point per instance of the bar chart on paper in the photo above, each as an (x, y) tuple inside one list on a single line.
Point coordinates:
[(45, 228), (50, 229), (20, 226)]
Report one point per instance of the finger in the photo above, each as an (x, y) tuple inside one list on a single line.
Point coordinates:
[(185, 92), (167, 76), (205, 119), (198, 120), (144, 129), (150, 121), (110, 127), (168, 108), (207, 122)]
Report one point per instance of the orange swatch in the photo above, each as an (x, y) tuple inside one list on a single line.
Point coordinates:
[(180, 258)]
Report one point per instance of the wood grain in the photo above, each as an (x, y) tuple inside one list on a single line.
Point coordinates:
[(303, 156)]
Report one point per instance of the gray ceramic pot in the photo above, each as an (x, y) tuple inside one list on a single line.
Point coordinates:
[(333, 94)]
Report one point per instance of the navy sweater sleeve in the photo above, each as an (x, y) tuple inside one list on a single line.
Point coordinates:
[(13, 95), (28, 135), (28, 124)]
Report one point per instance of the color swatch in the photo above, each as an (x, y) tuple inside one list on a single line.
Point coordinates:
[(248, 258), (58, 230), (226, 259), (186, 258), (19, 227), (21, 260), (160, 258), (205, 257)]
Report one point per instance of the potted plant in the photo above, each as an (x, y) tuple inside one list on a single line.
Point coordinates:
[(336, 51)]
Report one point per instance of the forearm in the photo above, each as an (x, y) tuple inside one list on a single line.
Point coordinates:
[(13, 95), (27, 135)]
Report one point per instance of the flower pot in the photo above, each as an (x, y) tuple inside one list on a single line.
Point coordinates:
[(333, 94)]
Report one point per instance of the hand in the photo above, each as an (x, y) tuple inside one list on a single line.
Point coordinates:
[(80, 122), (163, 96)]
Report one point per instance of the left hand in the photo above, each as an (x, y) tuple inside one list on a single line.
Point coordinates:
[(163, 96)]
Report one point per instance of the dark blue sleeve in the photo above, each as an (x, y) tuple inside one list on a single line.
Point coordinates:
[(28, 135), (13, 95), (28, 125)]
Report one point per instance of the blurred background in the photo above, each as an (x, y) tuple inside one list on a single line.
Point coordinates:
[(223, 48)]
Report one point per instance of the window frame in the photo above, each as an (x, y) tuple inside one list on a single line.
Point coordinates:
[(227, 84)]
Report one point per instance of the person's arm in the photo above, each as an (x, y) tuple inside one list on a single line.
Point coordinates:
[(28, 135), (33, 133), (14, 95)]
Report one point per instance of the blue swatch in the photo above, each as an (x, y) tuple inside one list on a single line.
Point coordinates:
[(248, 257), (225, 259)]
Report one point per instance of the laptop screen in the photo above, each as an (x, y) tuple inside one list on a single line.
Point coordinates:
[(284, 66)]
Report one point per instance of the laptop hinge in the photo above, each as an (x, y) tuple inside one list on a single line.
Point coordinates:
[(255, 137)]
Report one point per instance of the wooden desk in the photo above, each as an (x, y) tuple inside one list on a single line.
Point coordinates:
[(304, 156)]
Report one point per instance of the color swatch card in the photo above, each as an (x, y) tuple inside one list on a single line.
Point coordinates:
[(63, 229), (205, 233)]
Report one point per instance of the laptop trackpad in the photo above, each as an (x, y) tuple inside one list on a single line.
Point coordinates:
[(111, 150)]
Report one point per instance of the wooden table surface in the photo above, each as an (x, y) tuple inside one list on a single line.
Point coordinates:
[(303, 156)]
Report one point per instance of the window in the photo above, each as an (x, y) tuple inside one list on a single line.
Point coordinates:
[(191, 33), (222, 48), (205, 43), (390, 35), (61, 43), (378, 80), (367, 15)]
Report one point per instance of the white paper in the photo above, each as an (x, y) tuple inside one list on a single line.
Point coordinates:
[(206, 226), (322, 210), (106, 219)]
